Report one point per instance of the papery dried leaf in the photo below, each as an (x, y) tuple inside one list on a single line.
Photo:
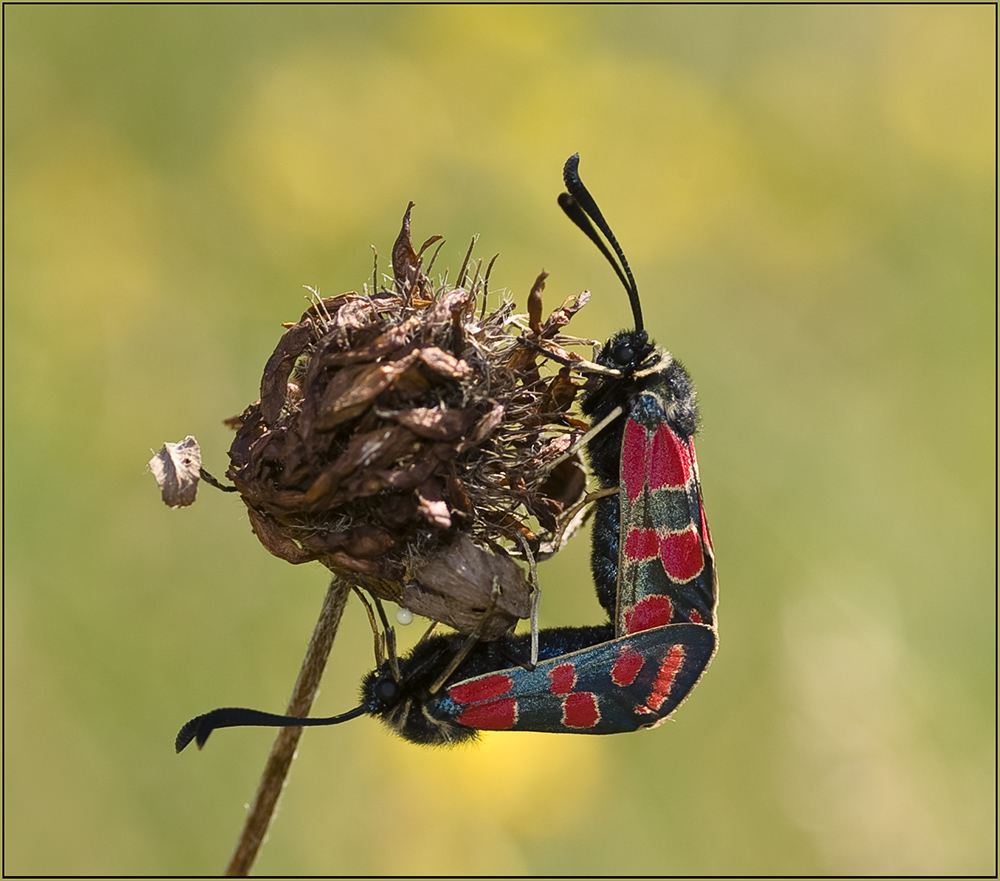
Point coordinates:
[(177, 469), (456, 586)]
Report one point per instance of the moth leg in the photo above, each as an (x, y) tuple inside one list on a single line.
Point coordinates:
[(590, 434), (390, 640), (470, 642), (376, 633), (536, 595)]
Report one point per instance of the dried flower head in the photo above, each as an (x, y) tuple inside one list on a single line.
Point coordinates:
[(394, 425)]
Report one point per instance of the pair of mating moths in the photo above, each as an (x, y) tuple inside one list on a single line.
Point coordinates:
[(653, 565)]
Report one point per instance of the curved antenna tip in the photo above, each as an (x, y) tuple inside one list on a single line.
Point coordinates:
[(571, 176), (580, 205)]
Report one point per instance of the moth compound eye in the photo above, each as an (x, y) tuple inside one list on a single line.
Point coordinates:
[(386, 690), (624, 353)]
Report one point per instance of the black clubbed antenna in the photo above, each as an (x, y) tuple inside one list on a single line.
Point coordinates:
[(200, 727), (578, 204)]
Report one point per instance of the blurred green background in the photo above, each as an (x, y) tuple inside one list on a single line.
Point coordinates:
[(806, 195)]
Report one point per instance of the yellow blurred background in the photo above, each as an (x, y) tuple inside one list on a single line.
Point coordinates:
[(806, 195)]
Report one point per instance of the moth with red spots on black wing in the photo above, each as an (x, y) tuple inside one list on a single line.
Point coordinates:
[(586, 682), (663, 572)]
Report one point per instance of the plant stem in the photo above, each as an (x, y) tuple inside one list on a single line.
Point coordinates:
[(280, 760)]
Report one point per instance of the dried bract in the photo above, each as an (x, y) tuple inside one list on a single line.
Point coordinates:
[(470, 589)]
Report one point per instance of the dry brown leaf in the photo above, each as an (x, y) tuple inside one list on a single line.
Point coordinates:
[(177, 469)]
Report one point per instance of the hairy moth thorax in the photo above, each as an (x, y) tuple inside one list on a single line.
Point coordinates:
[(644, 367), (402, 704)]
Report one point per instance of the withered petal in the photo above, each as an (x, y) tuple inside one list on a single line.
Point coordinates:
[(561, 317), (392, 421), (410, 476), (374, 449), (366, 541), (325, 311), (444, 307), (387, 342), (561, 392), (356, 312), (360, 485), (276, 540), (405, 262), (545, 510), (458, 497), (274, 382), (567, 484), (486, 426), (399, 509), (441, 362), (435, 423), (354, 387), (535, 303), (428, 243), (386, 571), (432, 506)]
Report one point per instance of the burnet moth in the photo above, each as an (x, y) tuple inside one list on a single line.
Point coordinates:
[(652, 552), (653, 565)]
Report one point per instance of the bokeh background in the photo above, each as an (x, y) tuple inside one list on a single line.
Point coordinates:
[(807, 198)]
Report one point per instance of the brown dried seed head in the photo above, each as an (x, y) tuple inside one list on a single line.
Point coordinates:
[(398, 429)]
